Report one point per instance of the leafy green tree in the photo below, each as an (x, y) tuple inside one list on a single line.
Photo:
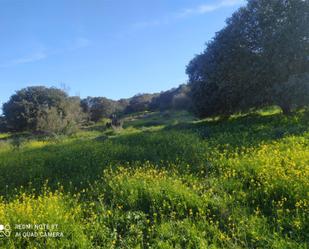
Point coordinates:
[(182, 100), (3, 124), (262, 46), (281, 31), (28, 107), (293, 93), (68, 122), (23, 108), (176, 98), (98, 107), (121, 105), (222, 77), (139, 103), (163, 101)]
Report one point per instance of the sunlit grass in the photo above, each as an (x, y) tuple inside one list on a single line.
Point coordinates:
[(165, 183), (4, 135)]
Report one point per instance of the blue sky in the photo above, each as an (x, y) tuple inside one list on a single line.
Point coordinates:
[(112, 48)]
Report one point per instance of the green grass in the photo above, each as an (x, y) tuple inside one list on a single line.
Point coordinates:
[(164, 181)]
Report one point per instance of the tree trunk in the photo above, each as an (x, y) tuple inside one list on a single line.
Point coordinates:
[(286, 109)]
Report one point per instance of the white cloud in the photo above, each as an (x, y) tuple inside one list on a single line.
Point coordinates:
[(197, 10), (41, 54), (207, 8), (148, 24), (36, 56)]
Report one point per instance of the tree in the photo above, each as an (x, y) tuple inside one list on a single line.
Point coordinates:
[(262, 45), (283, 39), (121, 105), (181, 99), (3, 124), (176, 98), (162, 102), (26, 110), (98, 107), (50, 120), (139, 103), (292, 93), (223, 77)]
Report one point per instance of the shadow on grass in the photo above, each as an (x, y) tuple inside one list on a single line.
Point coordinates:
[(160, 118), (75, 164), (247, 131), (96, 128), (16, 136)]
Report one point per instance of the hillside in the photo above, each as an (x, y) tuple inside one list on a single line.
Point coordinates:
[(166, 180)]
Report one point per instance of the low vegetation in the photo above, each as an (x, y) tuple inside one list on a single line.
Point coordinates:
[(163, 182)]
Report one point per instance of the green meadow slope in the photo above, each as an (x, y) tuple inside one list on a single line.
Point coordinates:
[(164, 181)]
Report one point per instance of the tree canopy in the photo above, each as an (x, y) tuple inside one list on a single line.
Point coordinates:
[(176, 98), (139, 103), (264, 45), (98, 107), (29, 109)]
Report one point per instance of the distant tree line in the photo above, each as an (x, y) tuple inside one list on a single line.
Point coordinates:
[(260, 58), (52, 111), (176, 98), (97, 108)]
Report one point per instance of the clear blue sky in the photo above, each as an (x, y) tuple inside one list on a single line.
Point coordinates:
[(112, 48)]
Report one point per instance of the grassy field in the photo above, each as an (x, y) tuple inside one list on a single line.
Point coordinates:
[(164, 181)]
